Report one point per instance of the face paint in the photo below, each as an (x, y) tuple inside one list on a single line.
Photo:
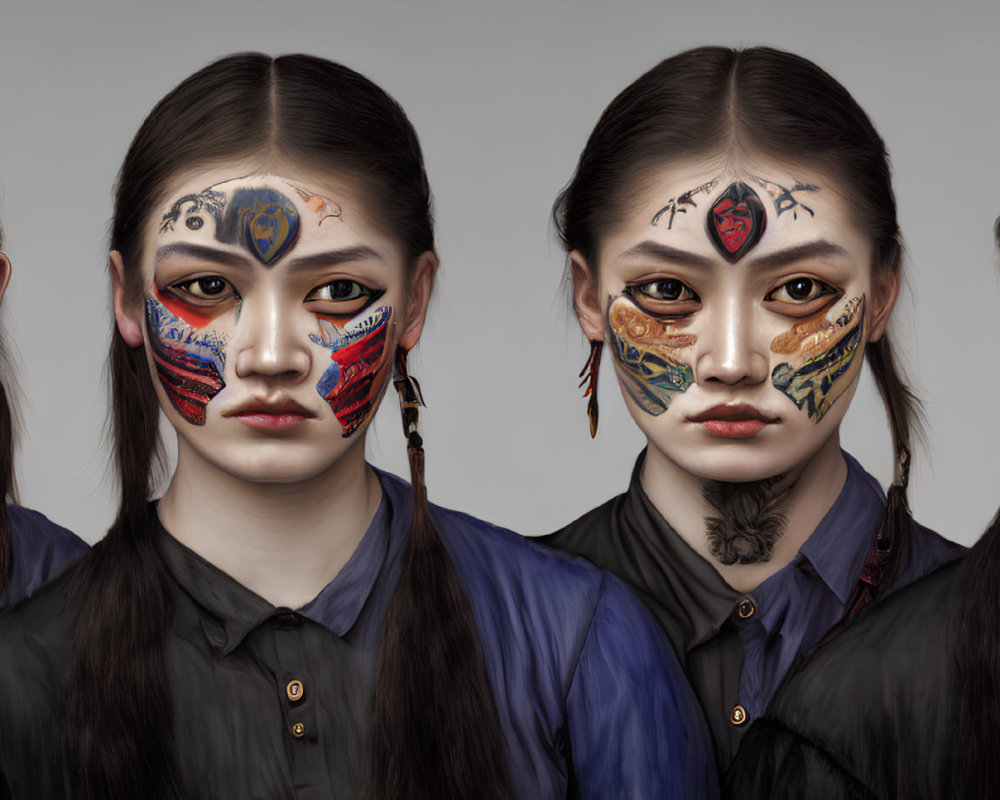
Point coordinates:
[(189, 363), (646, 352), (828, 349), (358, 353), (262, 219), (736, 221), (784, 198), (319, 204), (675, 205), (207, 201)]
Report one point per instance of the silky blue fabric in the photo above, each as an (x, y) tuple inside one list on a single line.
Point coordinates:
[(40, 550)]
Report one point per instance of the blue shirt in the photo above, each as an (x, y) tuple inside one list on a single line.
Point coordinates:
[(40, 550), (736, 648), (591, 701)]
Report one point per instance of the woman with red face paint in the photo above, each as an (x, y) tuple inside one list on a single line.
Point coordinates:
[(32, 548), (732, 235), (900, 705), (287, 621)]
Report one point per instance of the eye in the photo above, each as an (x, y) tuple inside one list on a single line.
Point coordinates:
[(666, 297), (801, 296), (206, 289), (342, 297), (667, 289)]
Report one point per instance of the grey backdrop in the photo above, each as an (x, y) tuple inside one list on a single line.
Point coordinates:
[(503, 95)]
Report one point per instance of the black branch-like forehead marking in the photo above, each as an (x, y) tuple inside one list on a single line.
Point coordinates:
[(676, 205)]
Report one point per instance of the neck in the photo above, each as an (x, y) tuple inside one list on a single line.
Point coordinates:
[(677, 495), (284, 542)]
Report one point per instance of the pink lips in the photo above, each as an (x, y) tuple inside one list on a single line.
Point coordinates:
[(735, 421), (271, 415)]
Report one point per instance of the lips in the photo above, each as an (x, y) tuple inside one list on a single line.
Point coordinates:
[(277, 414), (733, 421)]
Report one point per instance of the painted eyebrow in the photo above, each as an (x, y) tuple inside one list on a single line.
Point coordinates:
[(783, 258), (200, 252), (670, 255), (332, 258)]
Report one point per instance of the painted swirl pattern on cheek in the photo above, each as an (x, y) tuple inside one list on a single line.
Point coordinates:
[(352, 383), (646, 355), (828, 351), (189, 363)]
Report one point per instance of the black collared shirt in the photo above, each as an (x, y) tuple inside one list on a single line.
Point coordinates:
[(737, 647), (277, 703)]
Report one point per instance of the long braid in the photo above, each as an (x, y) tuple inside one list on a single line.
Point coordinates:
[(892, 541), (120, 708), (436, 731)]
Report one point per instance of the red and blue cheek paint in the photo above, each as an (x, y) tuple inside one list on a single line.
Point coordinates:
[(189, 362), (351, 383)]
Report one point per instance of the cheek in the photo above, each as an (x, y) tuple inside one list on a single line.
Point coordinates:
[(359, 366), (189, 362), (648, 355), (824, 357), (194, 317)]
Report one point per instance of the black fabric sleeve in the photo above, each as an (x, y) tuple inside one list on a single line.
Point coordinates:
[(775, 763)]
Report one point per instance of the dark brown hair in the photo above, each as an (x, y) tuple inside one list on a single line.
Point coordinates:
[(759, 101), (8, 442), (976, 652), (436, 729)]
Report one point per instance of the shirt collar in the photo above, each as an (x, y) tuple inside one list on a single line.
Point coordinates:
[(232, 611), (707, 599), (838, 547), (834, 553)]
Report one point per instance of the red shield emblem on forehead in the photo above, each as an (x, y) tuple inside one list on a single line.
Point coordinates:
[(736, 221)]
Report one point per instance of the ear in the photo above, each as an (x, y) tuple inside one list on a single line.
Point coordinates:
[(129, 319), (5, 271), (421, 285), (885, 287), (586, 301)]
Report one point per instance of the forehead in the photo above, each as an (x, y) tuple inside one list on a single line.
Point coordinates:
[(673, 205), (264, 215)]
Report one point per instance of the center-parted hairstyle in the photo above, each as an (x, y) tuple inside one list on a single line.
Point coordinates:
[(435, 729), (717, 101)]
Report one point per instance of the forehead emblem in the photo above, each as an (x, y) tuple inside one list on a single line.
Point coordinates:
[(736, 221), (262, 219)]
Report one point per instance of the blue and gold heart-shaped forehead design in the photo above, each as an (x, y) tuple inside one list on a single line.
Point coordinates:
[(262, 219)]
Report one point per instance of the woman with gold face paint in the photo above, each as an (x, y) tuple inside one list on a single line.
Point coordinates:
[(900, 705), (32, 548), (287, 621), (731, 231)]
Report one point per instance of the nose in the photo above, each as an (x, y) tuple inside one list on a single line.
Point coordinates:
[(728, 349), (268, 340)]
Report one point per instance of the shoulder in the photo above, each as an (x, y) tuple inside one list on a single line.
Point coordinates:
[(926, 552), (41, 549), (33, 527), (36, 647), (584, 534), (876, 693), (490, 555)]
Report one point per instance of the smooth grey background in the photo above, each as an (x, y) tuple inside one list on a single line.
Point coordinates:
[(503, 95)]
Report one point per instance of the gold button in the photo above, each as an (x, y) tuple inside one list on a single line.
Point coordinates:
[(738, 715), (294, 690), (298, 730), (746, 608)]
